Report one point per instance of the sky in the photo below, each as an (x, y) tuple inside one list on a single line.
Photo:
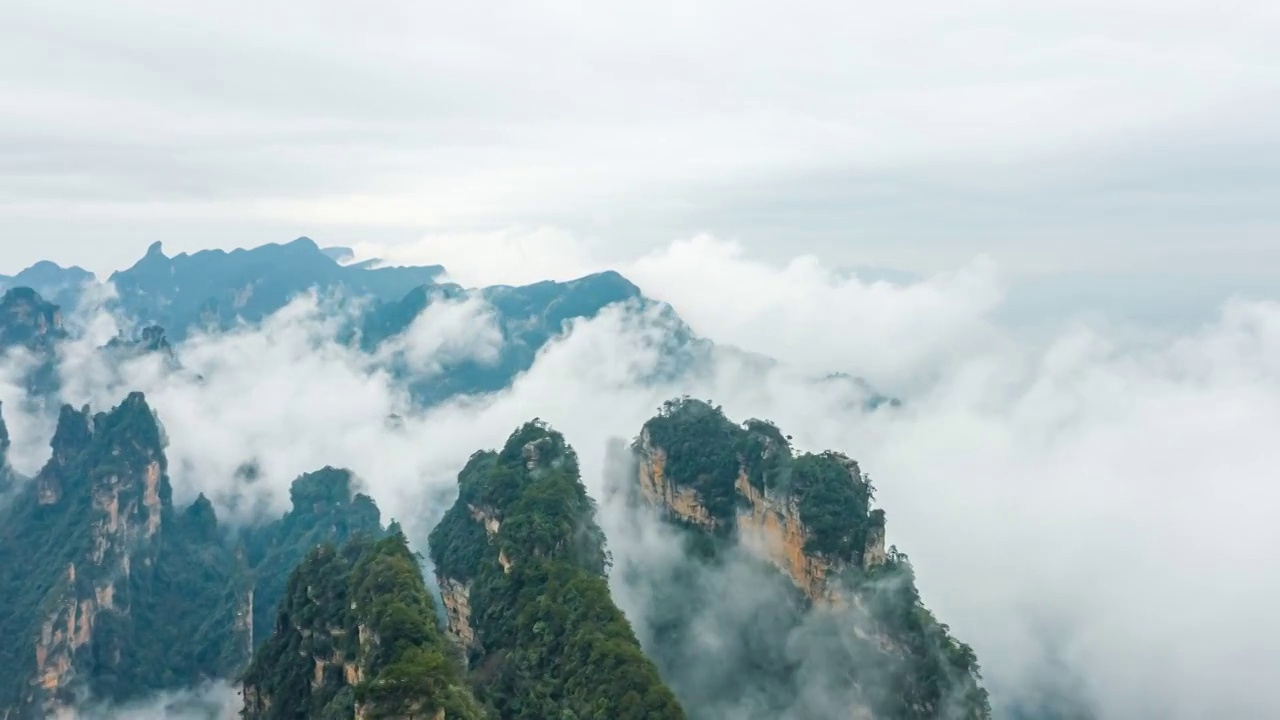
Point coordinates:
[(736, 160), (1095, 151)]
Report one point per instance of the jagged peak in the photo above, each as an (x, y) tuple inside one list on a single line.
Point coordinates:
[(303, 243), (155, 250), (200, 518), (74, 428), (327, 487), (132, 425), (25, 295), (538, 445)]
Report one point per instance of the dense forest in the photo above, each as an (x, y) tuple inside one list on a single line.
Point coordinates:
[(357, 635), (114, 592), (110, 590), (523, 543), (869, 640)]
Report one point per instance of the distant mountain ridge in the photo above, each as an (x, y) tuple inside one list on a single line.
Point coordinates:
[(59, 285), (212, 289), (171, 297)]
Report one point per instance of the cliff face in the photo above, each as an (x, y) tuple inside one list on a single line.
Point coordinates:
[(125, 504), (30, 329), (768, 520), (877, 651), (356, 637), (521, 564), (27, 320), (94, 516), (108, 591), (658, 490)]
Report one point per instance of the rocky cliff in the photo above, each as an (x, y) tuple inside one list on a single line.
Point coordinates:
[(522, 565), (765, 518), (110, 592), (30, 330), (27, 320), (870, 645), (88, 547), (356, 637)]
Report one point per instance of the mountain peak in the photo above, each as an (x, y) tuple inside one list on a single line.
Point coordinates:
[(155, 250), (304, 243)]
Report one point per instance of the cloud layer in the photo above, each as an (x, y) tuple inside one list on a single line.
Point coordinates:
[(1092, 499)]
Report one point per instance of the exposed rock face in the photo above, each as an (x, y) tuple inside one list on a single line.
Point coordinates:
[(767, 522), (127, 500), (522, 568), (327, 657), (107, 591), (772, 528), (456, 597), (659, 490), (870, 649)]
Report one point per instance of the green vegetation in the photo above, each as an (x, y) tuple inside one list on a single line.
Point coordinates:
[(168, 589), (33, 325), (707, 451), (152, 632), (7, 476), (835, 505), (325, 508), (885, 648), (528, 318), (937, 672), (358, 629), (550, 641)]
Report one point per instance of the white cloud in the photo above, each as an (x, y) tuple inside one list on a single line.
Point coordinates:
[(445, 333), (1112, 488)]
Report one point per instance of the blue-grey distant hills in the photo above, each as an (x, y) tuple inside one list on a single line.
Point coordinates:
[(214, 289), (169, 298), (59, 285)]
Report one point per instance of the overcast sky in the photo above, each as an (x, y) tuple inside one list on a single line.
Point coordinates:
[(1084, 139)]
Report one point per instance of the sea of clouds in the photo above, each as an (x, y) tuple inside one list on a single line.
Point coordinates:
[(1091, 505)]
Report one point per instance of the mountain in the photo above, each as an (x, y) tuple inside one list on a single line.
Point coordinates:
[(99, 574), (150, 339), (357, 636), (30, 330), (522, 566), (215, 288), (526, 317), (60, 285), (326, 507), (29, 321), (837, 628), (7, 476), (109, 591)]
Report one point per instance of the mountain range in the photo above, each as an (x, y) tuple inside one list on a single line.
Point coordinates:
[(513, 606)]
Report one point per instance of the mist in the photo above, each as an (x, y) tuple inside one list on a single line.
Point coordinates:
[(1091, 506)]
